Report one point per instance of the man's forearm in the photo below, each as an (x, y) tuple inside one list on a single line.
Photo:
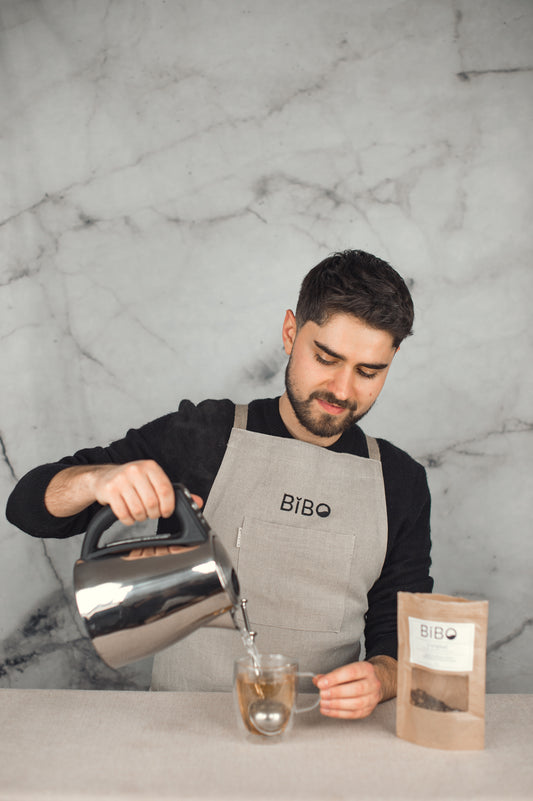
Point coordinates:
[(133, 490), (71, 490), (386, 669)]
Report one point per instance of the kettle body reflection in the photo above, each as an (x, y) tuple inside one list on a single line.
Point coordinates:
[(134, 604)]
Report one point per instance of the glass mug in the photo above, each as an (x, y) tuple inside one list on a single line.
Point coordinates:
[(265, 694)]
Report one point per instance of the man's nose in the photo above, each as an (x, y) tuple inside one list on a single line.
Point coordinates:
[(341, 384)]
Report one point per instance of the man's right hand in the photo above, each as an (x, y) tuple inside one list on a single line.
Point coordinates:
[(134, 491)]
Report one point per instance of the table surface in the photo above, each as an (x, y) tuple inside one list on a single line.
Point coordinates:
[(88, 744)]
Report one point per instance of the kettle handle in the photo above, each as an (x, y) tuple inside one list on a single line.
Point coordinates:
[(194, 529)]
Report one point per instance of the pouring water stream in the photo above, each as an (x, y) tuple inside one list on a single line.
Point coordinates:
[(248, 636)]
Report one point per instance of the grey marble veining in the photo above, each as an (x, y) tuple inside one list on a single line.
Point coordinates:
[(171, 170)]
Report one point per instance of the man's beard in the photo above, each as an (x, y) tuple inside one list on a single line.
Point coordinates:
[(321, 425)]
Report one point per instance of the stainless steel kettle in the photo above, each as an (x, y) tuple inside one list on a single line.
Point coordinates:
[(133, 607)]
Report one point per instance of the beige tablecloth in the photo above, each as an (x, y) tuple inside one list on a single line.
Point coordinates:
[(61, 744)]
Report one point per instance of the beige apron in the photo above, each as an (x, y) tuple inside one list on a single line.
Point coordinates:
[(306, 529)]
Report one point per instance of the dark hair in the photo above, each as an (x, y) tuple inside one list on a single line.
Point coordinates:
[(357, 283)]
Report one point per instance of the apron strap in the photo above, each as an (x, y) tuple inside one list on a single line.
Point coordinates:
[(241, 416), (373, 448)]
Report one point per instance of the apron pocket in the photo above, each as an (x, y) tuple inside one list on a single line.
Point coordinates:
[(294, 578)]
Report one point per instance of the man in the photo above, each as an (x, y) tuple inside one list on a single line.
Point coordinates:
[(323, 524)]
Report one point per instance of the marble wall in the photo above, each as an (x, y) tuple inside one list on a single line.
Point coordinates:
[(171, 169)]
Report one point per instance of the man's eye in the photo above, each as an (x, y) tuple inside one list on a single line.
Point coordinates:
[(366, 375), (321, 360)]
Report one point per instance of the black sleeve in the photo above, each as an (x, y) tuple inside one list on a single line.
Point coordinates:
[(188, 444), (407, 561)]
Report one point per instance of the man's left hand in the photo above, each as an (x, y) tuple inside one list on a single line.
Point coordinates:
[(354, 690)]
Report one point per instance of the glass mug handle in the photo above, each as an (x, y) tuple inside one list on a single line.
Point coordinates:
[(315, 703)]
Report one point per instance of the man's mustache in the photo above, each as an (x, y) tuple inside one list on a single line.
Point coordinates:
[(329, 397)]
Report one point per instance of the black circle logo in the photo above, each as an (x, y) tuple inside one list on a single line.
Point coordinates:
[(323, 510), (451, 634)]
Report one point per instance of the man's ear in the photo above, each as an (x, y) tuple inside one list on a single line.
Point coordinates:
[(288, 332)]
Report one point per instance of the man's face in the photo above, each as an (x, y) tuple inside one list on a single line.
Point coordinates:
[(334, 375)]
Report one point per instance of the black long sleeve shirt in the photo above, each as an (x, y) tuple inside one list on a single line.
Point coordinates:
[(190, 444)]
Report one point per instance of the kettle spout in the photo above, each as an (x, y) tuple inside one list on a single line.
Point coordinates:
[(231, 621), (225, 620)]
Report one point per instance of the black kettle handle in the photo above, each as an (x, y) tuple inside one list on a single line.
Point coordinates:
[(194, 529)]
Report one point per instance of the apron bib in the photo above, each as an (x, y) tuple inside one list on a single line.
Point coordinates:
[(306, 530)]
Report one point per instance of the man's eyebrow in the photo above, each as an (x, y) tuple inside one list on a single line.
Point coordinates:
[(368, 365), (329, 351)]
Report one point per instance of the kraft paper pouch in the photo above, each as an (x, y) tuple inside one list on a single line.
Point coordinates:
[(442, 646)]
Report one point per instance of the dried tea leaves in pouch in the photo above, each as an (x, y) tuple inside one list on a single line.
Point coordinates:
[(442, 646)]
